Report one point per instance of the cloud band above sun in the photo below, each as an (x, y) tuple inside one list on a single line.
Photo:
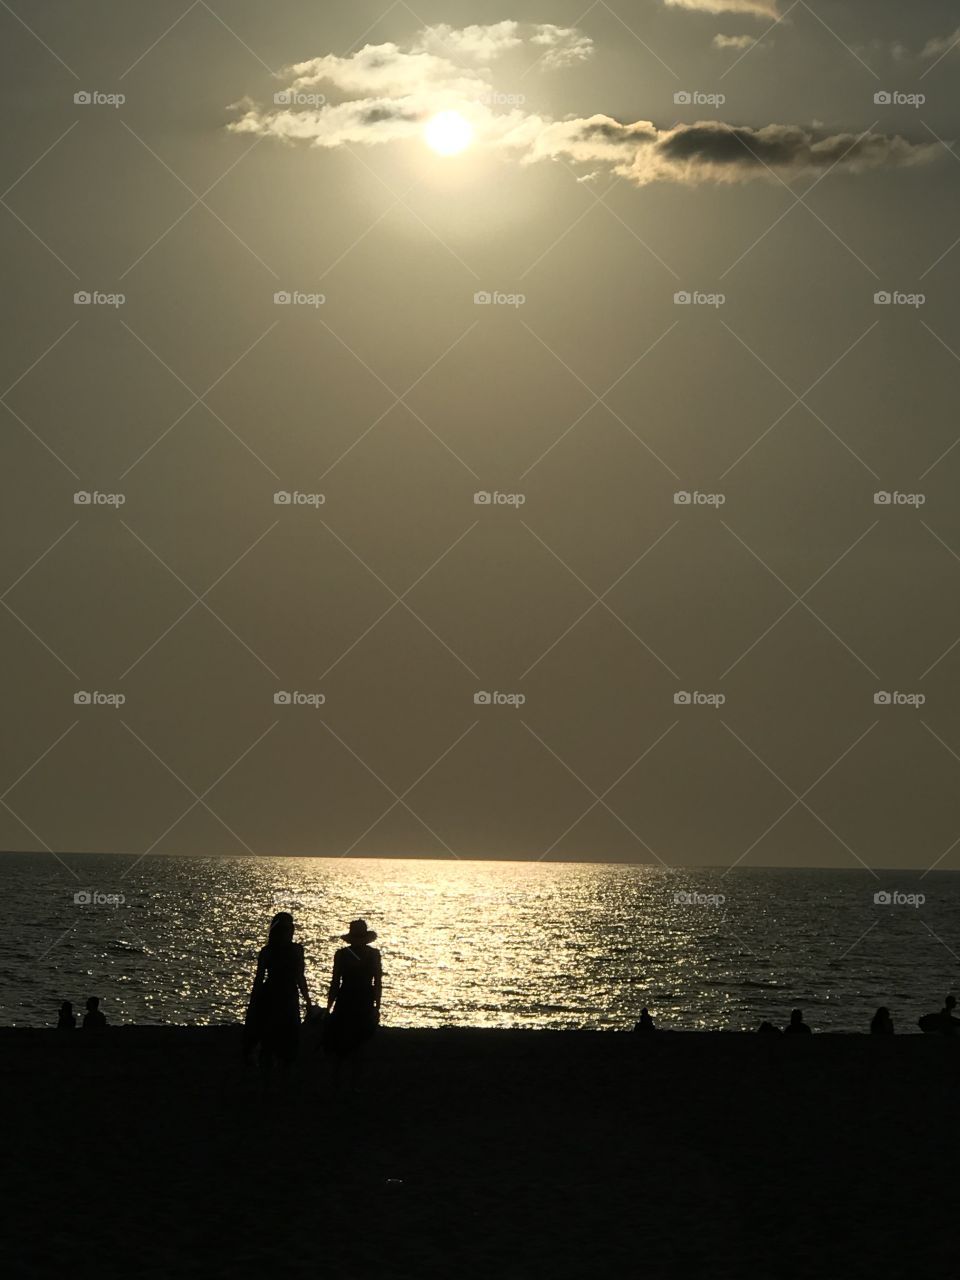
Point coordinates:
[(389, 93)]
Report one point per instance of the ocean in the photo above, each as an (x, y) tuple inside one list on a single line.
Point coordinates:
[(485, 944)]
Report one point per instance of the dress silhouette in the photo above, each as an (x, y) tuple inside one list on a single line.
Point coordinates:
[(355, 990), (273, 1015)]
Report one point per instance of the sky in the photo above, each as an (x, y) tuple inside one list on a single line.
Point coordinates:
[(587, 494)]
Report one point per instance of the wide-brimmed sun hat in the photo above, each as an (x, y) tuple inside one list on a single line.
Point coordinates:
[(358, 932)]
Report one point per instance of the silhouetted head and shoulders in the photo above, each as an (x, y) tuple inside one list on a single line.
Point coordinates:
[(280, 945), (881, 1024), (796, 1025), (767, 1028), (66, 1019), (646, 1025), (93, 1019)]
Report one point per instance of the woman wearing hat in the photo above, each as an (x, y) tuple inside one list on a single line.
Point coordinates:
[(355, 990)]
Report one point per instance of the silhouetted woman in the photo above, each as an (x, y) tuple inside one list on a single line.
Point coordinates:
[(354, 995), (66, 1019), (881, 1024), (273, 1016)]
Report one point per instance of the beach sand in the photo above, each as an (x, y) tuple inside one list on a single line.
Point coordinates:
[(515, 1154)]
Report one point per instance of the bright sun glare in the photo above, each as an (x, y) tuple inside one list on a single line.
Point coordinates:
[(448, 133)]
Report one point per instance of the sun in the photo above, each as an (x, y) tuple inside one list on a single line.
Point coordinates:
[(448, 133)]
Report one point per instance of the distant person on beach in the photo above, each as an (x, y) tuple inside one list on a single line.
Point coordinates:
[(66, 1021), (881, 1024), (942, 1023), (93, 1019), (767, 1028), (273, 1015), (646, 1025), (796, 1025), (354, 997)]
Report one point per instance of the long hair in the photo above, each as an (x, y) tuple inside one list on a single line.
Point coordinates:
[(281, 930)]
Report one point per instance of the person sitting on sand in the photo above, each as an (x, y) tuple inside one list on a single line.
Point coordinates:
[(66, 1021), (646, 1024), (354, 997), (93, 1019), (796, 1025), (273, 1014), (881, 1024)]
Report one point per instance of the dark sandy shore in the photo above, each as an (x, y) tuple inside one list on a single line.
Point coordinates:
[(482, 1153)]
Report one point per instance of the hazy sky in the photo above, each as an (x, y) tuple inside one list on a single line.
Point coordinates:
[(621, 154)]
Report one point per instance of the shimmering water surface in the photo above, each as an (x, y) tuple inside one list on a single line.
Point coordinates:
[(481, 943)]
